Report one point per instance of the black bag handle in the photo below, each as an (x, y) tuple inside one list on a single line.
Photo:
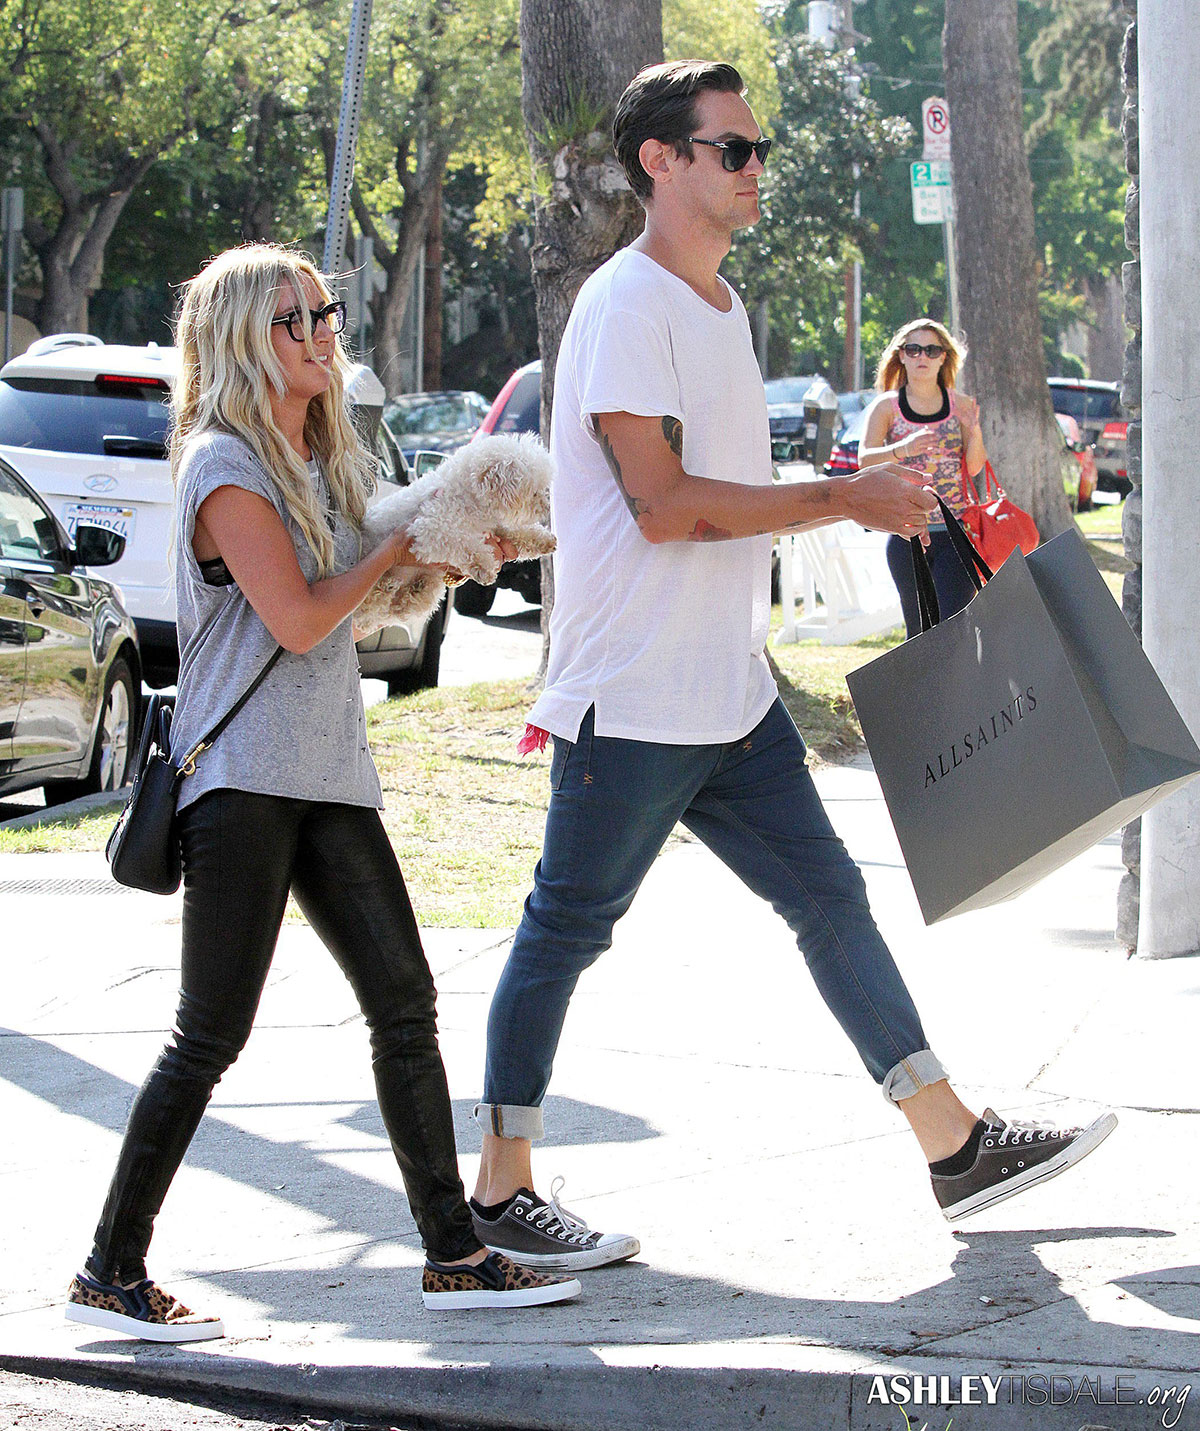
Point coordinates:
[(155, 727), (927, 601), (973, 564)]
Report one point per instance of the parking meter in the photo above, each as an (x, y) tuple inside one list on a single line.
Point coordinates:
[(366, 395), (821, 415)]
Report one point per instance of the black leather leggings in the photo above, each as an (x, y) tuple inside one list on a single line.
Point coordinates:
[(241, 855)]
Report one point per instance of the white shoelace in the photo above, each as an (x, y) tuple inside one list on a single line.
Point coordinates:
[(570, 1228), (1024, 1132)]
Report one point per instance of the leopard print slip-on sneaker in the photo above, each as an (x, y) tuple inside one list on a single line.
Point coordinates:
[(143, 1310), (495, 1282)]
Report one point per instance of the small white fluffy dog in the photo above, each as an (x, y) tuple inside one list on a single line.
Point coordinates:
[(494, 485)]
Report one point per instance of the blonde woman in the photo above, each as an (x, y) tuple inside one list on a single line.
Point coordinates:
[(271, 486), (922, 421)]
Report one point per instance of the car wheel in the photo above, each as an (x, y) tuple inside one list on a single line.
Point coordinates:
[(423, 673), (474, 600), (114, 740)]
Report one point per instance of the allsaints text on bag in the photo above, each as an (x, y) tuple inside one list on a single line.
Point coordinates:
[(1003, 720)]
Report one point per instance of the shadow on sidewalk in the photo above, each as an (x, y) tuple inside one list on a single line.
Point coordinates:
[(995, 1277)]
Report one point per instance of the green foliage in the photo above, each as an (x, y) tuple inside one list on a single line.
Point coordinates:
[(1075, 59), (829, 140), (1070, 50), (731, 30)]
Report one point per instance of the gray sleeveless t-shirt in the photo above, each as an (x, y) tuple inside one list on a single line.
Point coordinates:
[(303, 733)]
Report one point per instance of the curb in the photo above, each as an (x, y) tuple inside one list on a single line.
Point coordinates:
[(582, 1392), (98, 804)]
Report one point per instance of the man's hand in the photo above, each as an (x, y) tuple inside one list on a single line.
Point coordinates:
[(890, 498)]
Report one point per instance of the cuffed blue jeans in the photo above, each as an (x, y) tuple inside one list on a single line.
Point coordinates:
[(753, 803)]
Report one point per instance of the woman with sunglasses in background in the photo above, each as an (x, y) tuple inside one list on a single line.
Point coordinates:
[(921, 421), (271, 486)]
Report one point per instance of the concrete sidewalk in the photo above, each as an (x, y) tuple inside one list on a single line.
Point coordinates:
[(704, 1099)]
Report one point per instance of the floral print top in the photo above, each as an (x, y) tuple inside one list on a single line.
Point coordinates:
[(942, 464)]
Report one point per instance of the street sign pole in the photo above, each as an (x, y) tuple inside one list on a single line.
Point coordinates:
[(951, 273), (347, 136), (935, 132)]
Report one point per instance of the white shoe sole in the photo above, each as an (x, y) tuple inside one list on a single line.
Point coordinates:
[(1088, 1141), (518, 1297), (618, 1250), (145, 1331)]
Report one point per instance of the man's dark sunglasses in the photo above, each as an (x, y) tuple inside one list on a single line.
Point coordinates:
[(914, 350), (333, 315), (735, 153)]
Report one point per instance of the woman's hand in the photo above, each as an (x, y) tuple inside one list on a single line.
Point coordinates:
[(401, 545), (968, 413), (914, 445)]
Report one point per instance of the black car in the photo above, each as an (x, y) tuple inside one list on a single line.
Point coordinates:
[(70, 673), (785, 409)]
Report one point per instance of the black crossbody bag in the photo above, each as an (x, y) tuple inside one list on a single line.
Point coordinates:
[(143, 849)]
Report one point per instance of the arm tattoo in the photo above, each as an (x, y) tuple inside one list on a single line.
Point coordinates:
[(637, 508), (673, 432), (705, 532)]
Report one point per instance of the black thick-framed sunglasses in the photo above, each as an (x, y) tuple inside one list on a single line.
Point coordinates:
[(914, 350), (735, 153), (333, 315)]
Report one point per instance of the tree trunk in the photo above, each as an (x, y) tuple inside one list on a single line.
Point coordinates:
[(71, 255), (72, 260), (997, 256), (576, 60)]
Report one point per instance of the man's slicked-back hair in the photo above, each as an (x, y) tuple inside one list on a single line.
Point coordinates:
[(660, 103)]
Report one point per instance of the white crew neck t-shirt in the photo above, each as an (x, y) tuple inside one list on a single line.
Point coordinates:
[(666, 641)]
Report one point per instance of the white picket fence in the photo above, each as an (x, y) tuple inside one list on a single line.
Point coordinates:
[(841, 575)]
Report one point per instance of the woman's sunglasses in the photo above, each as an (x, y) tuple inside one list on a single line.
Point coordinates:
[(333, 315), (914, 350), (735, 153)]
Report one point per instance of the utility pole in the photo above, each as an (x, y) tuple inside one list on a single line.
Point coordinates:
[(13, 221)]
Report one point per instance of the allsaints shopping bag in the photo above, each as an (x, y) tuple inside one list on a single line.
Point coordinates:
[(1018, 732)]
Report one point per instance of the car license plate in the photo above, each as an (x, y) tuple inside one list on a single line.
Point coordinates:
[(99, 514)]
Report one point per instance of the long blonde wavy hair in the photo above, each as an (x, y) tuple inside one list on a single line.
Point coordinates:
[(229, 367), (890, 373)]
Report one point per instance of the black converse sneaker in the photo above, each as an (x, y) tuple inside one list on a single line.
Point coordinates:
[(541, 1233), (1002, 1159)]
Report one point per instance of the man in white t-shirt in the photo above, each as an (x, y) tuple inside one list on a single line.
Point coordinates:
[(658, 694)]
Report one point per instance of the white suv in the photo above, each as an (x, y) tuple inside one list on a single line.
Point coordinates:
[(85, 423)]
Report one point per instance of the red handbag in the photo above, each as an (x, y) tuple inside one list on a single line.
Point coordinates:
[(996, 524)]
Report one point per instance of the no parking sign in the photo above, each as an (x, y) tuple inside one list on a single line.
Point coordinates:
[(935, 129)]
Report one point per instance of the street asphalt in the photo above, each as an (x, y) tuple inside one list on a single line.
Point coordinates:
[(795, 1270)]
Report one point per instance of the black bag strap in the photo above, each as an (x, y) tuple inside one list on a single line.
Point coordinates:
[(188, 764), (927, 602), (974, 565), (964, 548)]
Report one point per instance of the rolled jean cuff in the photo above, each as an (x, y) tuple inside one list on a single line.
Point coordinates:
[(913, 1073), (506, 1120)]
